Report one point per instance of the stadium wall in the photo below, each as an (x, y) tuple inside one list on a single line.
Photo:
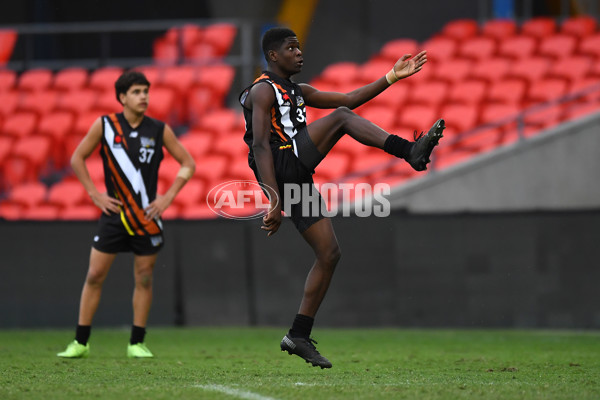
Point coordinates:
[(535, 269), (555, 170)]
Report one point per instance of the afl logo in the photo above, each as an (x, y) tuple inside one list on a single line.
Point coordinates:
[(239, 200)]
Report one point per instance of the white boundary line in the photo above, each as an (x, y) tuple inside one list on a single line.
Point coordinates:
[(241, 394)]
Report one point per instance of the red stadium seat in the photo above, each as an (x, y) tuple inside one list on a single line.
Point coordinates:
[(36, 150), (590, 85), (201, 211), (9, 101), (103, 79), (57, 126), (543, 118), (218, 78), (373, 70), (28, 194), (188, 35), (221, 120), (590, 45), (161, 104), (16, 171), (579, 26), (546, 90), (372, 163), (200, 102), (211, 168), (8, 80), (517, 47), (557, 46), (539, 27), (454, 70), (43, 212), (231, 145), (477, 48), (67, 194), (106, 103), (6, 143), (165, 52), (508, 91), (440, 49), (340, 73), (460, 29), (35, 79), (8, 38), (202, 52), (499, 29), (530, 69), (571, 69), (181, 78), (497, 112), (431, 93), (491, 70), (393, 97), (460, 117), (480, 141), (394, 49), (77, 101), (416, 118), (468, 92), (197, 143), (10, 211), (192, 193), (384, 117), (39, 102), (80, 213), (152, 72), (20, 124), (220, 36), (83, 122), (69, 79), (581, 110)]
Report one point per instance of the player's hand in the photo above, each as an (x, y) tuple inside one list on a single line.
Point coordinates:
[(157, 207), (407, 66), (272, 220), (106, 203)]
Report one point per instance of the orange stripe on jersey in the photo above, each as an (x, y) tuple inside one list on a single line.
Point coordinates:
[(113, 118), (276, 126), (150, 226), (263, 76)]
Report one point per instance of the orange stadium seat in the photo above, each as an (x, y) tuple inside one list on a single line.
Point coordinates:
[(40, 102), (28, 194), (220, 36), (69, 79), (539, 27), (460, 29), (557, 46), (590, 45), (477, 48), (517, 47), (20, 124), (468, 92), (508, 91), (394, 49), (8, 39), (77, 101), (35, 79), (579, 26), (68, 193), (499, 29), (8, 80), (440, 49), (103, 79)]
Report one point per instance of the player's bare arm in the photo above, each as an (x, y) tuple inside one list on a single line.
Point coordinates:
[(404, 67), (85, 148), (260, 99), (188, 166)]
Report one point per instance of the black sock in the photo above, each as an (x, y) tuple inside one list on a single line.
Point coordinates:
[(137, 334), (82, 334), (397, 146), (302, 326)]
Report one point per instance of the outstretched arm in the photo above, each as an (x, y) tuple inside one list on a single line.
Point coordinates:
[(404, 67)]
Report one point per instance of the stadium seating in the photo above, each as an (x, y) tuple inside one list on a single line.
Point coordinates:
[(8, 38)]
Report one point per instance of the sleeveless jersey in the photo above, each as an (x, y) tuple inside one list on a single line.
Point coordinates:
[(288, 112), (131, 158)]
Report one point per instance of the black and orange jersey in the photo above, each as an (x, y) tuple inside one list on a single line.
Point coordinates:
[(288, 112), (131, 160)]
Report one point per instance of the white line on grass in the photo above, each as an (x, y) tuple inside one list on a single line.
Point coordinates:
[(242, 394)]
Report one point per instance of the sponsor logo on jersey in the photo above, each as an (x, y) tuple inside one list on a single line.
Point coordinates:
[(133, 134), (156, 240), (299, 101), (147, 142), (117, 142)]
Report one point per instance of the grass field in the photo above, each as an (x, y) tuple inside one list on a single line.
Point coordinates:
[(245, 363)]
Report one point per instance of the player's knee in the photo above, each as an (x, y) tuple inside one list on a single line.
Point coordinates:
[(331, 256), (144, 279), (95, 277), (343, 112)]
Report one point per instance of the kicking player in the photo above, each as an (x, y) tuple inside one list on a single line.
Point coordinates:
[(131, 146), (285, 150)]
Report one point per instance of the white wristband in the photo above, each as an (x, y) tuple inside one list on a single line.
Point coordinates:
[(391, 76)]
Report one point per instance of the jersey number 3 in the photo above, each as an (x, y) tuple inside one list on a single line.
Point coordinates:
[(146, 154)]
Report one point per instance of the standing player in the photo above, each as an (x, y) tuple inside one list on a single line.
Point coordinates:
[(284, 149), (131, 148)]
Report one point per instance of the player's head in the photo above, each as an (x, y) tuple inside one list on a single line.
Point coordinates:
[(127, 80), (274, 38)]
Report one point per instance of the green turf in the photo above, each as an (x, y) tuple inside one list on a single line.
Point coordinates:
[(245, 363)]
